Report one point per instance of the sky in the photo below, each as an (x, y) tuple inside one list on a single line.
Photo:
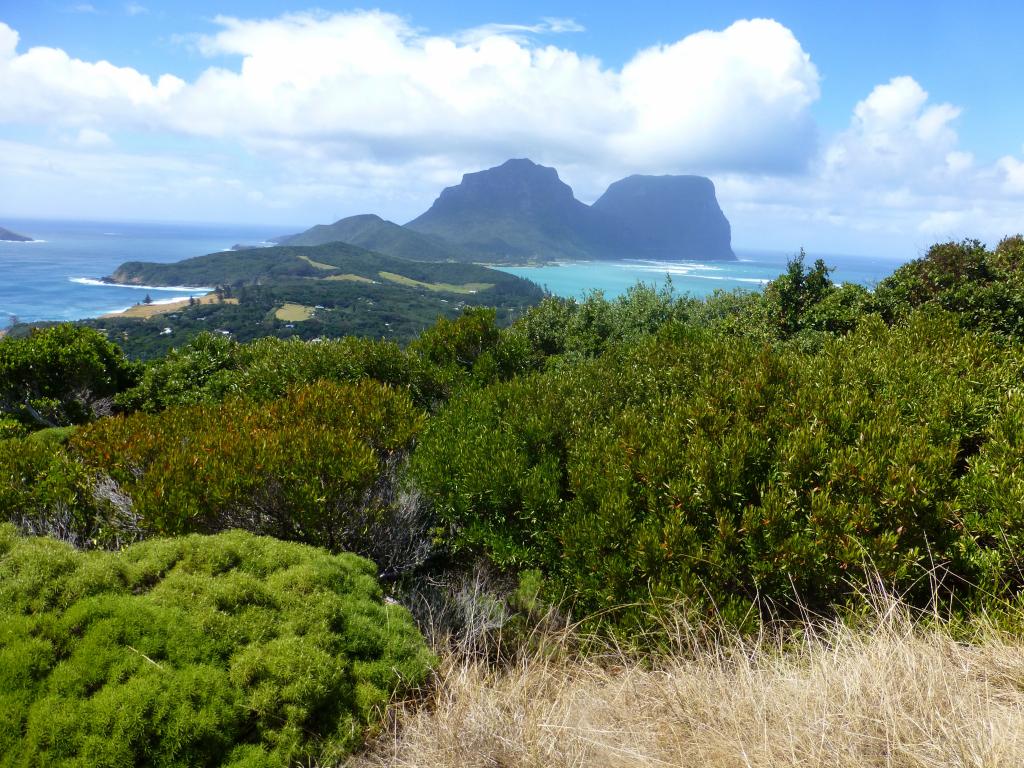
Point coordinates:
[(841, 127)]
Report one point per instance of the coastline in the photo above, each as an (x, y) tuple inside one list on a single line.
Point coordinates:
[(165, 306)]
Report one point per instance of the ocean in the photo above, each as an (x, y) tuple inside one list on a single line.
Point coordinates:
[(751, 271), (57, 278)]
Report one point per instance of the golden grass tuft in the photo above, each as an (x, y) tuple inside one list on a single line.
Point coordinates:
[(897, 694)]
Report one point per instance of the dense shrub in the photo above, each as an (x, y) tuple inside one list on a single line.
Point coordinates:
[(307, 467), (224, 650), (61, 375), (211, 368), (44, 490), (984, 288), (729, 472), (586, 328)]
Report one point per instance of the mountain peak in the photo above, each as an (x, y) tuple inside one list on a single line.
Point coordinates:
[(513, 185), (518, 209), (678, 216)]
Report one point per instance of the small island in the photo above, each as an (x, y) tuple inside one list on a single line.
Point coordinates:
[(6, 234)]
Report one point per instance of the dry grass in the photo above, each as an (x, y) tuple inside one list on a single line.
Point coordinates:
[(894, 695), (350, 278), (294, 313), (317, 264), (146, 311)]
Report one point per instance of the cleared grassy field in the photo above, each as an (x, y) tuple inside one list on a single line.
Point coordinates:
[(440, 287), (349, 278), (294, 313), (317, 264)]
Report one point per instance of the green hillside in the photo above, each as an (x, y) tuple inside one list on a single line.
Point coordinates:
[(376, 234), (312, 292)]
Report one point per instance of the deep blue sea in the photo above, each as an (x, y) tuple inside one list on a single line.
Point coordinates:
[(57, 278)]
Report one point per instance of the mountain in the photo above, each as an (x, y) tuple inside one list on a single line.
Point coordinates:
[(376, 234), (675, 217), (521, 210), (518, 210), (6, 234)]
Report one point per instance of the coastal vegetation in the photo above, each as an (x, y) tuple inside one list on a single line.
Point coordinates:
[(346, 290), (643, 530)]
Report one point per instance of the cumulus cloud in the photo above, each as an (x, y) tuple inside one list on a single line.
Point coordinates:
[(896, 174), (45, 84), (350, 112), (371, 85), (1013, 175)]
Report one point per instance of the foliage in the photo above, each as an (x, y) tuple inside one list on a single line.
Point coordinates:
[(59, 376), (726, 472), (984, 288), (44, 490), (225, 650), (571, 328), (211, 368), (302, 468)]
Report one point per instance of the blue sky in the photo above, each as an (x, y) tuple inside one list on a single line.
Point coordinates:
[(841, 126)]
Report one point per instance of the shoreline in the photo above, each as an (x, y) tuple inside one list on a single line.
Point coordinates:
[(165, 306)]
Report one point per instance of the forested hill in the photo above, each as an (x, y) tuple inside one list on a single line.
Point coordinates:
[(309, 292), (376, 234), (332, 261)]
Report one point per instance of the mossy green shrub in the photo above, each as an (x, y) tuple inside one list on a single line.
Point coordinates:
[(229, 650), (305, 467), (731, 473)]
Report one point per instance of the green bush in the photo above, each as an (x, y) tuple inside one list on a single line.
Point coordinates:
[(211, 368), (984, 288), (226, 650), (731, 473), (44, 490), (62, 375), (306, 467)]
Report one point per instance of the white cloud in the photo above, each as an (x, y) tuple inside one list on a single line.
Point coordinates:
[(1013, 175), (547, 26), (83, 8), (361, 111), (370, 83), (90, 138), (45, 84), (895, 132), (134, 9), (895, 175), (732, 99)]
